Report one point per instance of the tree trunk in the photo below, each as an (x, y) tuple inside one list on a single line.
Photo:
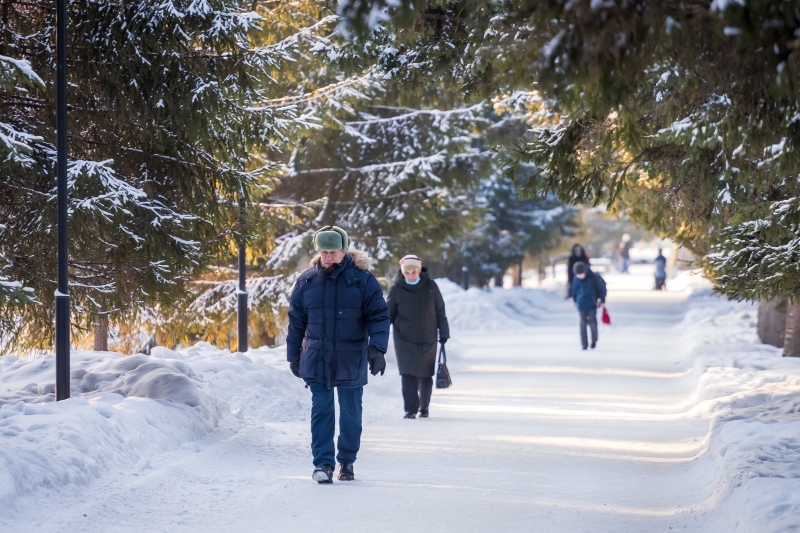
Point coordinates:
[(498, 280), (772, 321), (518, 275), (101, 333), (791, 339)]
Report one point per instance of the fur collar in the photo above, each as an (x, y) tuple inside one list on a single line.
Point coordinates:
[(362, 260)]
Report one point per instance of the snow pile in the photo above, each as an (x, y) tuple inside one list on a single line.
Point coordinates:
[(123, 409), (257, 385), (494, 309), (690, 280), (126, 408), (754, 454), (750, 394)]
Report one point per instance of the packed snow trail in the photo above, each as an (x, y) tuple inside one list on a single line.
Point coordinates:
[(535, 435)]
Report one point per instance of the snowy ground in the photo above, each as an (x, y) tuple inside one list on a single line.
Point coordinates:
[(680, 420)]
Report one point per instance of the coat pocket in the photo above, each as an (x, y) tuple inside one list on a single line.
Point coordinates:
[(348, 364), (309, 360)]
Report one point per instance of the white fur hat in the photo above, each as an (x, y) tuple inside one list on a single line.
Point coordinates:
[(411, 262)]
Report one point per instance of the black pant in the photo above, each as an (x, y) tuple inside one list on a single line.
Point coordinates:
[(660, 283), (590, 318), (416, 393)]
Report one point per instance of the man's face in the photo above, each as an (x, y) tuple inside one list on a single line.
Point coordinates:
[(331, 257), (581, 276), (411, 275)]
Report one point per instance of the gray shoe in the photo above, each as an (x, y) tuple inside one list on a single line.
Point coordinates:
[(323, 474)]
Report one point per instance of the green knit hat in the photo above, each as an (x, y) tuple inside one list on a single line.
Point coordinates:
[(331, 238)]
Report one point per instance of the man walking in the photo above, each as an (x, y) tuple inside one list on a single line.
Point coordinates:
[(338, 325), (588, 293)]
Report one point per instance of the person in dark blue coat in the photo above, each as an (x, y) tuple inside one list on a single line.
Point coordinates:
[(588, 293), (661, 270), (338, 326)]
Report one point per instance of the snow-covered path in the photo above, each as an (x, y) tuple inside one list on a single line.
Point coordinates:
[(535, 435)]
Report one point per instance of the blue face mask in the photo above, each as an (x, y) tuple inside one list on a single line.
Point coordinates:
[(412, 283)]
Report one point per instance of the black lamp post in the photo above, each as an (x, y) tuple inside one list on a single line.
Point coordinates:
[(241, 294), (62, 294)]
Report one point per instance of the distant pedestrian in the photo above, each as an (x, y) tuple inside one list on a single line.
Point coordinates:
[(624, 253), (588, 293), (661, 270), (338, 325), (416, 311), (578, 255)]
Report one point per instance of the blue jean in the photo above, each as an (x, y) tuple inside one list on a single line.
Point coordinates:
[(323, 424), (588, 318)]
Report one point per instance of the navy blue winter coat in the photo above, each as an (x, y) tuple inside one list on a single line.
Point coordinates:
[(587, 291), (333, 318)]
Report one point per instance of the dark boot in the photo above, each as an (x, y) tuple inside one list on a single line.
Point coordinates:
[(346, 472), (423, 414), (410, 415), (323, 474)]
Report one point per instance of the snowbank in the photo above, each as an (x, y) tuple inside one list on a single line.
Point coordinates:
[(124, 409), (751, 395), (494, 309), (256, 385)]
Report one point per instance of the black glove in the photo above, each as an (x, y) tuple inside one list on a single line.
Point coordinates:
[(294, 366), (377, 362), (442, 341)]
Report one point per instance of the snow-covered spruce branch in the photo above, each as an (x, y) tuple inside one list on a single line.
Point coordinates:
[(313, 204), (213, 164), (347, 87), (280, 49), (760, 258), (17, 144), (14, 292), (438, 157), (115, 195), (220, 301), (542, 217), (471, 112), (289, 247), (16, 70)]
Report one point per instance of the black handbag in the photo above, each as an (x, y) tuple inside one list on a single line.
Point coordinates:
[(442, 374)]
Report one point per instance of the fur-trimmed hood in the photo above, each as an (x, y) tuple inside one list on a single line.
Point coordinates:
[(361, 259)]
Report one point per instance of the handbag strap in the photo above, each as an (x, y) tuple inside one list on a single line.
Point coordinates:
[(442, 354)]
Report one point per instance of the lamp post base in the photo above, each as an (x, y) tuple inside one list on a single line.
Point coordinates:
[(62, 347)]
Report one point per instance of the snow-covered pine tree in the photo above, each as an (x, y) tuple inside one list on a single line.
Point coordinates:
[(15, 145), (403, 176), (395, 176), (320, 94), (167, 101), (682, 113), (510, 230)]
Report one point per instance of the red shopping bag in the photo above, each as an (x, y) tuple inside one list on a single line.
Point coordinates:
[(606, 317)]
